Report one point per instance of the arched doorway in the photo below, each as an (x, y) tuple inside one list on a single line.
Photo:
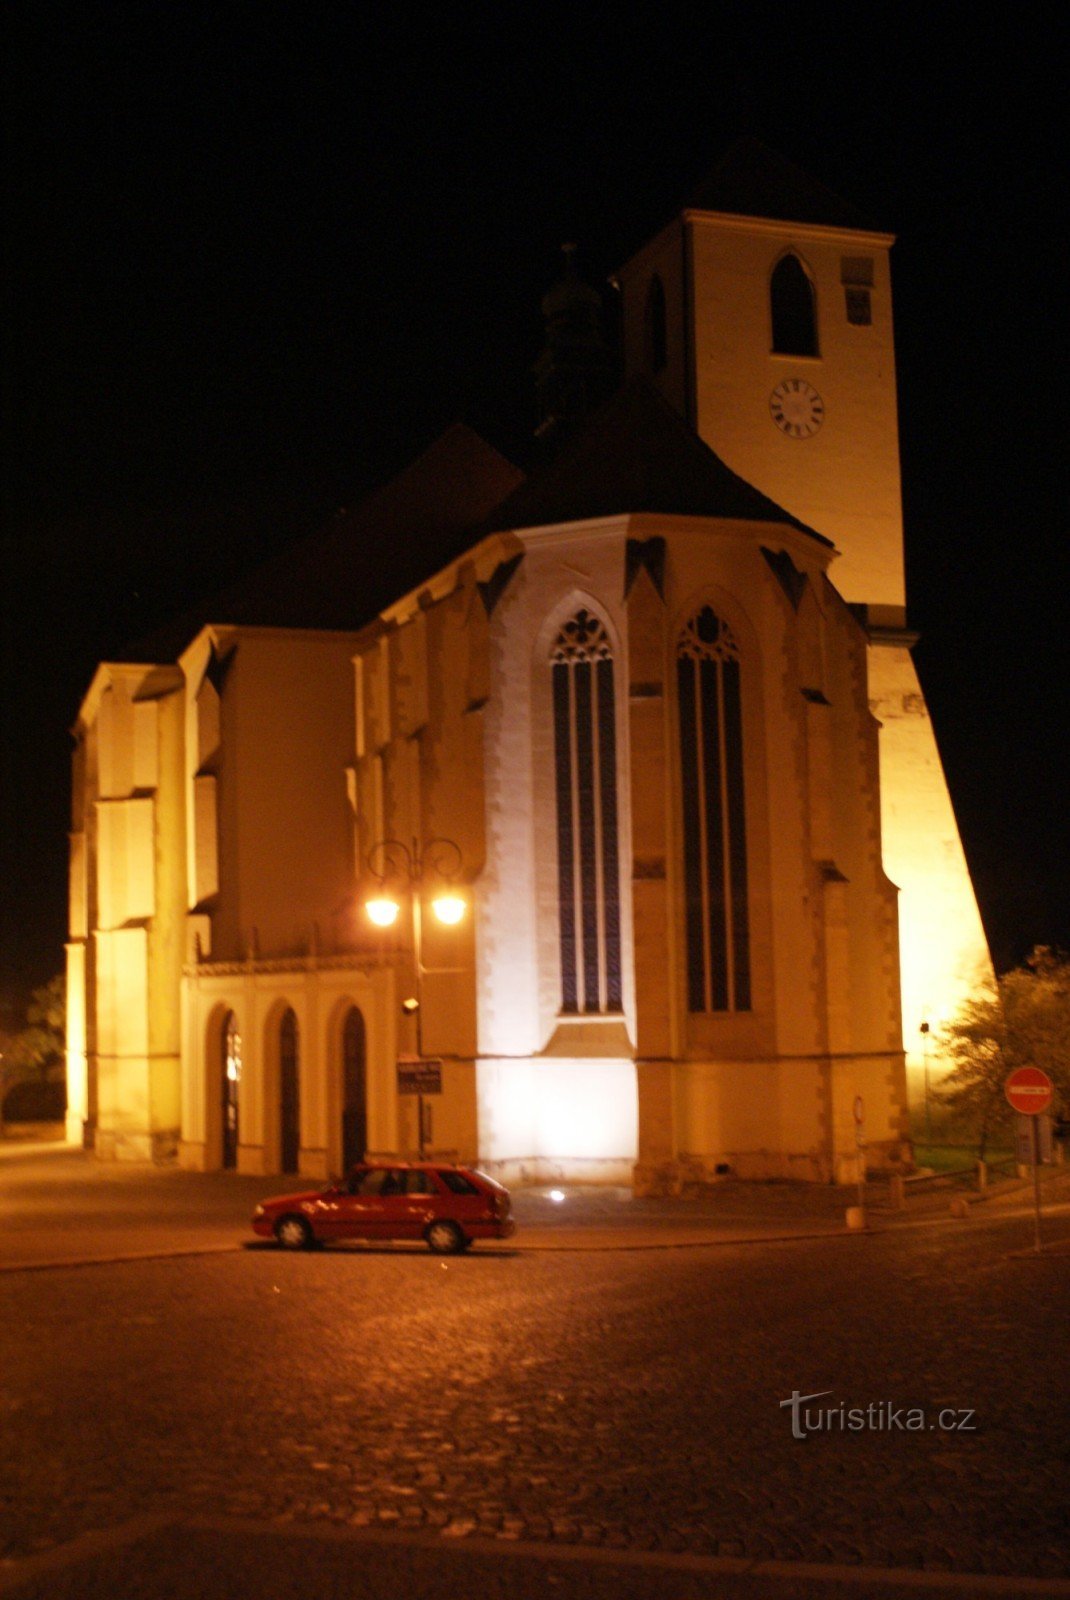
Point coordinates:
[(354, 1090), (289, 1094), (231, 1089)]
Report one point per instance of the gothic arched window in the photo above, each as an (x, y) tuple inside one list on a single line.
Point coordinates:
[(794, 310), (715, 843), (654, 327), (585, 767)]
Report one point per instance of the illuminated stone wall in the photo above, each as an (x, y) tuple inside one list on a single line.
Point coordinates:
[(943, 951), (655, 1092), (843, 481), (228, 839), (320, 991), (127, 909)]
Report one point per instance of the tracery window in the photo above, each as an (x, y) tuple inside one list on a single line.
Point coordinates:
[(588, 863), (715, 843), (793, 307)]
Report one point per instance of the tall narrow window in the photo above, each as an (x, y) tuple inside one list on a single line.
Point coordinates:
[(588, 869), (231, 1089), (715, 844), (791, 296), (289, 1094), (354, 1089), (654, 329)]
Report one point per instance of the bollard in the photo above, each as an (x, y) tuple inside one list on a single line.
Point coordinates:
[(982, 1176), (856, 1218), (960, 1207), (896, 1192)]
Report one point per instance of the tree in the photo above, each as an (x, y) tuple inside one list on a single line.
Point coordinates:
[(1025, 1021), (38, 1048)]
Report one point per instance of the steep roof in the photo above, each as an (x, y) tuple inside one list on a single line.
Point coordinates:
[(751, 180), (636, 454), (340, 576)]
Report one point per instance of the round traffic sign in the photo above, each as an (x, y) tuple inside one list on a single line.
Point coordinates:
[(1029, 1090)]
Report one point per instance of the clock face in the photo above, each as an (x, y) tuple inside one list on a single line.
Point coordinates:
[(798, 410)]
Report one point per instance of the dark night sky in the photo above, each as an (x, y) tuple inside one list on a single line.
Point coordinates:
[(259, 255)]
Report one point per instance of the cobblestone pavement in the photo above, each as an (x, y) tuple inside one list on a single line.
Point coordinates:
[(61, 1205), (626, 1400)]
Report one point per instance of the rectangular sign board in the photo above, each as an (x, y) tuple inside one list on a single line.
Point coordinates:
[(416, 1076), (1023, 1139)]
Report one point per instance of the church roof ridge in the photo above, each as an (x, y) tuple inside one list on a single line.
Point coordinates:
[(636, 454), (335, 578), (753, 180)]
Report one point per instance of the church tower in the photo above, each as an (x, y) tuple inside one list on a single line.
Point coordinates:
[(763, 314)]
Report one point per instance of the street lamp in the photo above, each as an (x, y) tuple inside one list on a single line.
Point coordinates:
[(413, 864), (924, 1030)]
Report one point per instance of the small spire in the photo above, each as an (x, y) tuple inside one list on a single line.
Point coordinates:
[(574, 373)]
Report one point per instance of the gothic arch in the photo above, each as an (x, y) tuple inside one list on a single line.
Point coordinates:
[(281, 1087), (710, 656), (793, 307), (222, 1030), (347, 1086), (586, 766)]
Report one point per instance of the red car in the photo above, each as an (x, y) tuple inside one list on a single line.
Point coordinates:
[(447, 1206)]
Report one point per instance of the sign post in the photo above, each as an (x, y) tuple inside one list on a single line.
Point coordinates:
[(420, 1076), (1030, 1092)]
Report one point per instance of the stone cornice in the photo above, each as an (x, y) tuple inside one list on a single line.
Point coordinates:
[(354, 961)]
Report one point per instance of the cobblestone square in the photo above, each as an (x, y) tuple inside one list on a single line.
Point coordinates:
[(618, 1399)]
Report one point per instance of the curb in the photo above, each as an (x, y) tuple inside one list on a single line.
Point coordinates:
[(108, 1542), (487, 1248), (885, 1227)]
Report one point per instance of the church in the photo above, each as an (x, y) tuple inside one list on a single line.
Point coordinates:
[(585, 823)]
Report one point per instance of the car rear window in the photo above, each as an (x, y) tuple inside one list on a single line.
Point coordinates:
[(457, 1182)]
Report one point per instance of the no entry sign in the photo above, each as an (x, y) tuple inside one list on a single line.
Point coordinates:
[(1029, 1091)]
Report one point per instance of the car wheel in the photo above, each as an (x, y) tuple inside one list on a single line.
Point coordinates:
[(445, 1238), (294, 1233)]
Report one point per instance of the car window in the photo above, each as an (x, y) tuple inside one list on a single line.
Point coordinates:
[(368, 1181), (457, 1182), (418, 1183)]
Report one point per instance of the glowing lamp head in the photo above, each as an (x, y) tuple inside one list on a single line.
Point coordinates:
[(382, 910), (448, 908)]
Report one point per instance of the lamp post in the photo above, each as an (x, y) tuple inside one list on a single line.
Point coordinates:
[(924, 1030), (413, 864)]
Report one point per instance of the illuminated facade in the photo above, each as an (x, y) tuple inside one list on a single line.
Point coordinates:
[(763, 314), (638, 699)]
